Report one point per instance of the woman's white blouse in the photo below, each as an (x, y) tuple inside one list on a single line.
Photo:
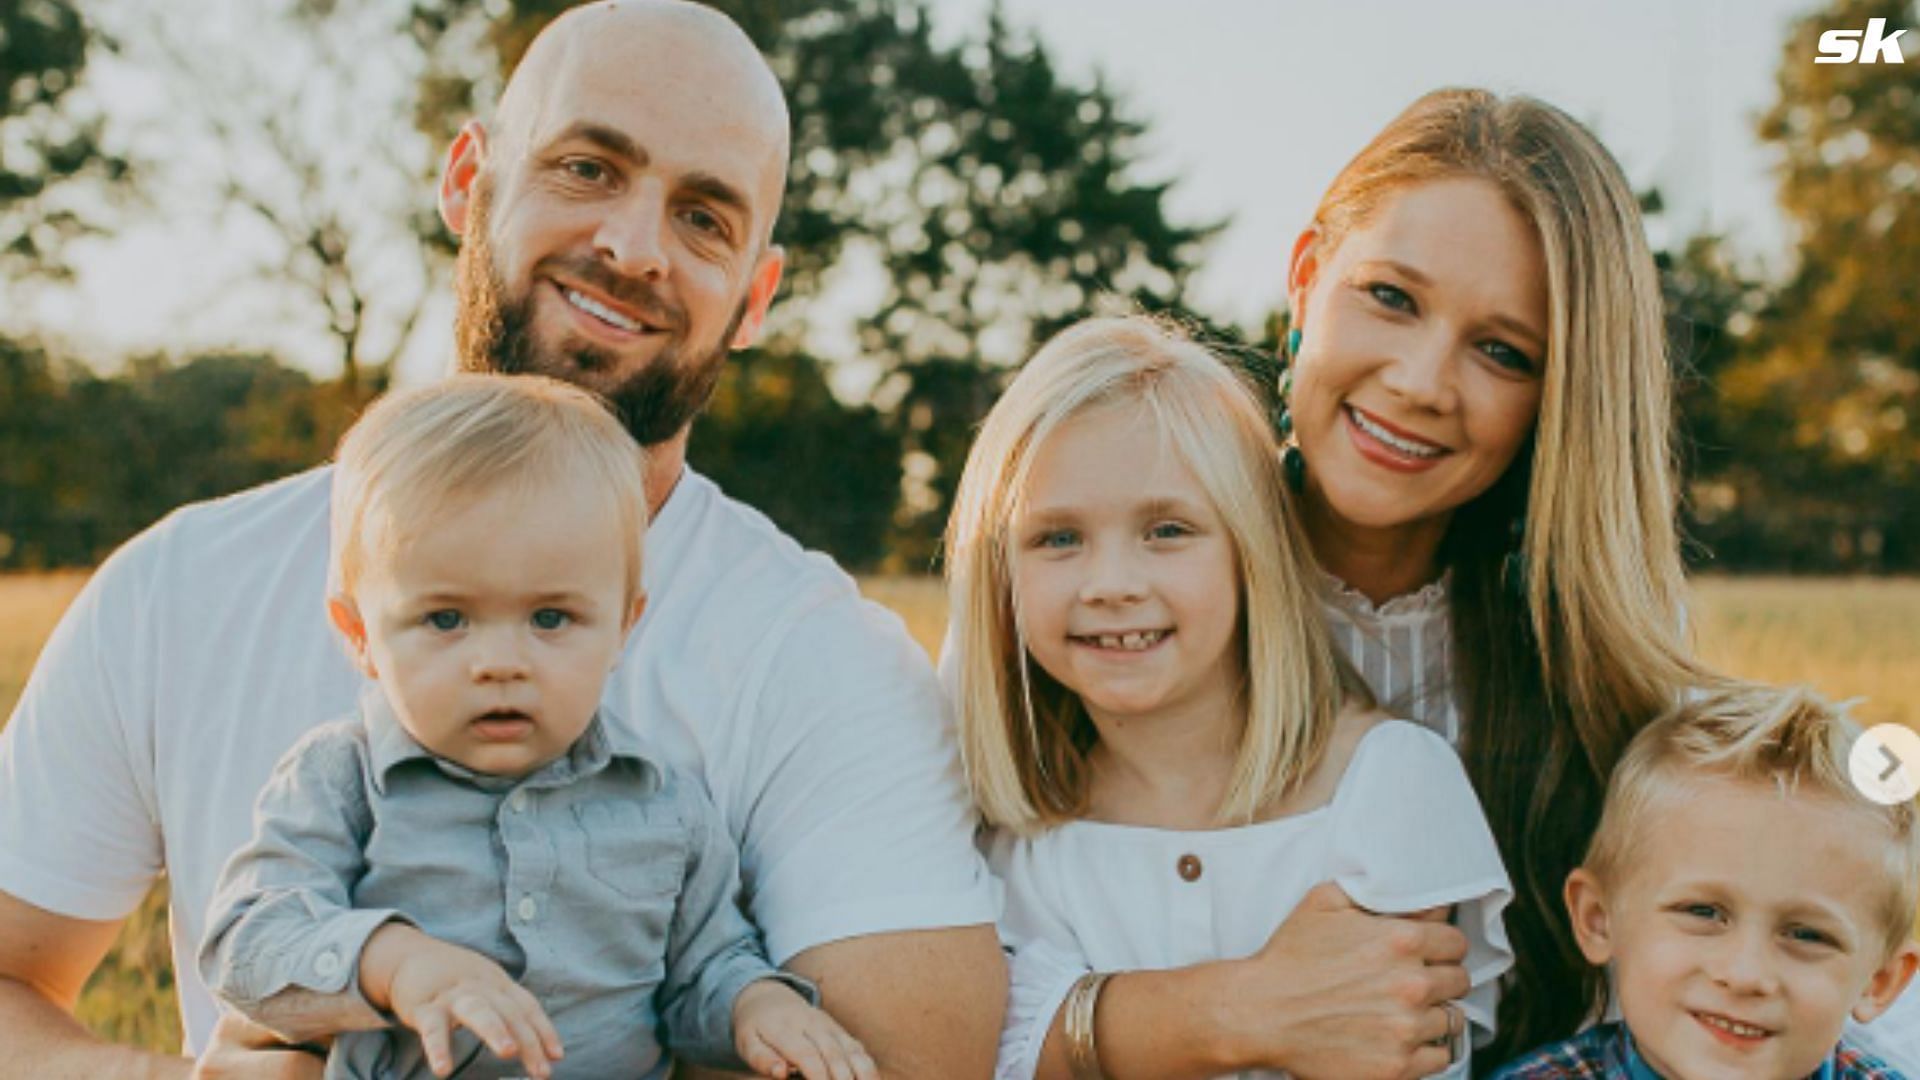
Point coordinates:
[(1403, 648), (1402, 833)]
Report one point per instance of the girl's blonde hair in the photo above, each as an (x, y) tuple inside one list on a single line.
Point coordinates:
[(1553, 682), (418, 454), (1788, 738), (1024, 737)]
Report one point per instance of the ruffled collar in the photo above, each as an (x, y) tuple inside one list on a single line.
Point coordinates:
[(1428, 599)]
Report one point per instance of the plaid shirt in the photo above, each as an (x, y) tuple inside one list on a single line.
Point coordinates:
[(1606, 1052)]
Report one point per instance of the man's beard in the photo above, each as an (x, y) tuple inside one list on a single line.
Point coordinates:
[(494, 333)]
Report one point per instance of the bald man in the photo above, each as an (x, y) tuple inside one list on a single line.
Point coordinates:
[(615, 220)]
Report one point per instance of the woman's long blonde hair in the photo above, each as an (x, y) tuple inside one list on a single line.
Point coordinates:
[(1024, 737), (1553, 682)]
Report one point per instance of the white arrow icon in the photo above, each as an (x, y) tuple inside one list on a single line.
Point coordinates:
[(1885, 764)]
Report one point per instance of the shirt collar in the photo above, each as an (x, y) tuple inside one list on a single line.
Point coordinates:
[(1428, 599), (1636, 1067), (389, 746)]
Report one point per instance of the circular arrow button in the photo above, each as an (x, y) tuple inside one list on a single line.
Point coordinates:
[(1885, 764)]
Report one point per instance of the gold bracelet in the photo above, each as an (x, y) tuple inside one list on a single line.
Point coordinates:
[(1083, 1055)]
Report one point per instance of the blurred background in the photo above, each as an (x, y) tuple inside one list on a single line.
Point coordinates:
[(218, 241)]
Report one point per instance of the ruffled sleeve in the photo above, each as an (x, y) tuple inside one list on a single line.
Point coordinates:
[(1409, 835), (1044, 957), (1040, 974)]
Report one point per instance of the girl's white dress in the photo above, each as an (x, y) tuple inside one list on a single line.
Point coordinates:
[(1402, 833)]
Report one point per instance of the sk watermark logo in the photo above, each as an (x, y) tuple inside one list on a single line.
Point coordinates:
[(1870, 46)]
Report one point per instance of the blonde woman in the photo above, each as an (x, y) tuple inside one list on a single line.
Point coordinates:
[(1479, 408), (1479, 423), (1155, 722)]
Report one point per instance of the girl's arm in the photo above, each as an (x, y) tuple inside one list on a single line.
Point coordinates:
[(1336, 992)]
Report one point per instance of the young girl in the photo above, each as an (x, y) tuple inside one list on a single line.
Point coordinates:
[(1154, 722)]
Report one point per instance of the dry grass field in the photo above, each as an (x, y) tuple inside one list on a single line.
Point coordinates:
[(1850, 638)]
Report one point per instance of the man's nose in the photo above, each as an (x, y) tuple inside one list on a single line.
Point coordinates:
[(632, 236)]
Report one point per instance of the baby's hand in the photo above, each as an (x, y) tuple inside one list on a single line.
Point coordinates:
[(779, 1035), (434, 987)]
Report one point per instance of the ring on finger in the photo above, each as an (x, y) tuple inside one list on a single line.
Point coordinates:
[(1447, 1009)]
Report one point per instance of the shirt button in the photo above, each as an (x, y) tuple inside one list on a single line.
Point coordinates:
[(327, 964), (517, 801), (528, 909), (1189, 867)]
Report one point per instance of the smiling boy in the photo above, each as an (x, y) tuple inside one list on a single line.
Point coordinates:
[(1746, 898)]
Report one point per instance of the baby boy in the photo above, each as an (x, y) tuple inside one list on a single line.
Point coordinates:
[(481, 853)]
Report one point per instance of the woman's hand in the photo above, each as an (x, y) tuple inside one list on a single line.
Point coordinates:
[(434, 987), (1337, 993), (1340, 992)]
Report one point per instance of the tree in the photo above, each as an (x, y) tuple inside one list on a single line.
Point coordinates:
[(776, 437), (73, 487), (1840, 371), (993, 200), (284, 123), (49, 136), (1730, 460)]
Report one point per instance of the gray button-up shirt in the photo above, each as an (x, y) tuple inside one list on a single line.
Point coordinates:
[(604, 883)]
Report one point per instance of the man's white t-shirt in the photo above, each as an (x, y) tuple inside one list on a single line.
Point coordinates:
[(201, 651)]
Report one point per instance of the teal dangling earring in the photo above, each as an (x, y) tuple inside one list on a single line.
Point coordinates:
[(1293, 464)]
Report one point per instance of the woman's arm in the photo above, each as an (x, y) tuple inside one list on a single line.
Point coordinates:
[(1337, 992)]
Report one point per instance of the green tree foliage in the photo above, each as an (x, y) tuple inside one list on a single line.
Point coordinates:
[(46, 137), (991, 198), (779, 440), (1835, 370), (86, 461)]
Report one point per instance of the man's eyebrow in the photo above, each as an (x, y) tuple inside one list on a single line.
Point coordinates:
[(612, 140), (616, 142), (717, 191)]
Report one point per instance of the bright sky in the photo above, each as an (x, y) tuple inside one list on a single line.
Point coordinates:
[(1252, 105), (1255, 104)]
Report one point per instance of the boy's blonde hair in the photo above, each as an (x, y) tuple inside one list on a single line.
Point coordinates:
[(1791, 738), (417, 454), (1024, 737)]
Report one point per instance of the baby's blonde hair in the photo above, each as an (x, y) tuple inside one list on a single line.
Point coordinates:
[(1024, 737), (417, 454), (1789, 738)]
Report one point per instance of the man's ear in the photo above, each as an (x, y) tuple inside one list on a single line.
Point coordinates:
[(1888, 982), (464, 160), (760, 289), (1303, 269), (353, 632), (1587, 908)]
